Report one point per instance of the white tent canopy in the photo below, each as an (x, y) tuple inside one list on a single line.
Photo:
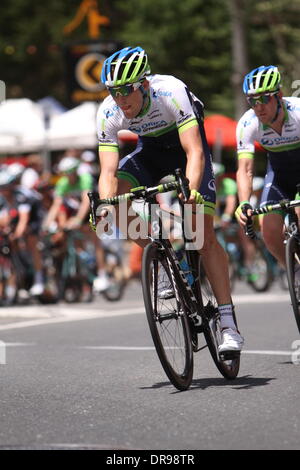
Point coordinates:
[(21, 126), (75, 128)]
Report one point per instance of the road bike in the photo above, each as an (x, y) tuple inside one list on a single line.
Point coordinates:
[(292, 246), (76, 270), (177, 322)]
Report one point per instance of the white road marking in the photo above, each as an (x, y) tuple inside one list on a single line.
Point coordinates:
[(71, 315), (151, 348), (270, 353), (120, 348), (37, 315), (261, 298)]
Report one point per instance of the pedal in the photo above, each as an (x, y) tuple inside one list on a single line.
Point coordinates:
[(229, 355)]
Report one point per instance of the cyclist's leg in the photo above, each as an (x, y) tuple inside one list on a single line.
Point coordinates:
[(32, 241), (132, 173), (215, 261), (273, 236), (101, 281), (272, 224)]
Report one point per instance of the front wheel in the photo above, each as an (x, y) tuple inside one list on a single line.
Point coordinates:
[(292, 255), (167, 319)]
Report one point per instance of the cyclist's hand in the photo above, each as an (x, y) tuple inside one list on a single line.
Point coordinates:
[(104, 220), (195, 197), (243, 212)]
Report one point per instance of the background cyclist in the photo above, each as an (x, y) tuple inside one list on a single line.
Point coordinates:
[(71, 208), (168, 120), (274, 122)]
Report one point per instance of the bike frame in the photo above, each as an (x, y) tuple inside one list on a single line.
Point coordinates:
[(181, 286)]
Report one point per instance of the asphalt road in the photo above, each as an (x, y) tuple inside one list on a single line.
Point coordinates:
[(87, 376)]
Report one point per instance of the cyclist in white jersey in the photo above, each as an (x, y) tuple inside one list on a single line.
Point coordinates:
[(274, 122), (168, 120)]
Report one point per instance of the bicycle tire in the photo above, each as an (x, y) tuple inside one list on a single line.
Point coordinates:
[(292, 255), (229, 368), (6, 273), (261, 276), (117, 285), (168, 321)]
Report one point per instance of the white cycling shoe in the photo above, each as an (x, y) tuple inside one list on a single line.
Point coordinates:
[(37, 289), (101, 283), (232, 341)]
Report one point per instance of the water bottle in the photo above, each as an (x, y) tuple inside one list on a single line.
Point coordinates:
[(185, 266)]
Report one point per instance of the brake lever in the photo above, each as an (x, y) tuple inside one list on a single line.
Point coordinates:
[(183, 183)]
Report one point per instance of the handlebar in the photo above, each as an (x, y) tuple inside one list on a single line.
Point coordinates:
[(284, 204), (141, 192)]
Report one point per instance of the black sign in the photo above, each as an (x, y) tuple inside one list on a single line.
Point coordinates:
[(84, 63)]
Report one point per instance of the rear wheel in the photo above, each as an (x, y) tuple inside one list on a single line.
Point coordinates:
[(292, 254), (167, 319)]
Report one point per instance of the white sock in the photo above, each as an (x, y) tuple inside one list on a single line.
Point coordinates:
[(101, 273), (38, 277), (226, 316)]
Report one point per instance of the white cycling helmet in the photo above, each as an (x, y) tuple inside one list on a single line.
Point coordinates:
[(68, 165), (5, 178), (15, 170), (88, 156)]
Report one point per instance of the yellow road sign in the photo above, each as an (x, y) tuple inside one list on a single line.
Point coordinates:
[(88, 70), (88, 9)]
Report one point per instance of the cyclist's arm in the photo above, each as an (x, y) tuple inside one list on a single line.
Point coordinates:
[(84, 207), (244, 177), (53, 211), (229, 207), (4, 219), (108, 181), (191, 142), (22, 224)]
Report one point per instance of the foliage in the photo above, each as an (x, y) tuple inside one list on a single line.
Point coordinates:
[(190, 39)]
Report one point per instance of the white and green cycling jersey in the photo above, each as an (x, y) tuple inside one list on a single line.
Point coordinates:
[(169, 109), (283, 150), (250, 129)]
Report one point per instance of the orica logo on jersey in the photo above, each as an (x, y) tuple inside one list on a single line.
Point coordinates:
[(247, 122), (158, 93), (135, 129), (280, 140), (109, 112), (148, 126)]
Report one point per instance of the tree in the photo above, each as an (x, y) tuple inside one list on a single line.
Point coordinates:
[(239, 54)]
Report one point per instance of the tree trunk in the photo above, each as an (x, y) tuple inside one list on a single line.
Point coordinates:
[(239, 55)]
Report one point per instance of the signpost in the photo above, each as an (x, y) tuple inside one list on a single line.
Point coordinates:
[(84, 59)]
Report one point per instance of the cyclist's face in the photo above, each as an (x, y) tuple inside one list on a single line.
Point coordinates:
[(266, 112), (131, 104)]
